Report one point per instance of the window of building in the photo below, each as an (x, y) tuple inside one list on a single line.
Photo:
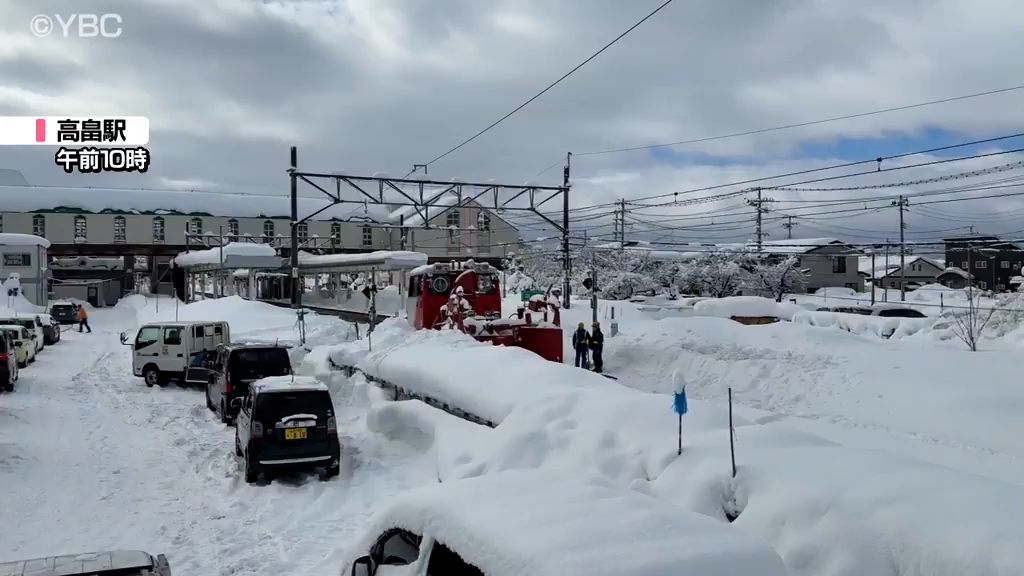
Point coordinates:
[(303, 233), (336, 233), (232, 230), (981, 264), (158, 229), (367, 235), (268, 231), (1005, 264), (120, 229), (483, 222), (982, 285), (1000, 287), (452, 219), (17, 260), (196, 226), (81, 230), (964, 265), (39, 225), (839, 264)]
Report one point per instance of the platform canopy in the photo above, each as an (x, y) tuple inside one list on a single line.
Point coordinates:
[(381, 261), (232, 256)]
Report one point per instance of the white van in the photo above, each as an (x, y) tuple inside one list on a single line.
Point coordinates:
[(33, 324), (162, 350)]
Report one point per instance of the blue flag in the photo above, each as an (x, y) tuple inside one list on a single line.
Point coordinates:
[(679, 402)]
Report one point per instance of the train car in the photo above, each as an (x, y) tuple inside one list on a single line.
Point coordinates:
[(467, 296)]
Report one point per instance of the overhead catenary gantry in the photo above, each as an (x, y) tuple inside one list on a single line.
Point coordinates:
[(426, 198)]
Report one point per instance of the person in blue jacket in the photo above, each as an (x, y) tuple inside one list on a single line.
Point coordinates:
[(581, 343)]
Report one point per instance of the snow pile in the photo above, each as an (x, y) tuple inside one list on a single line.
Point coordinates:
[(865, 325), (740, 306), (426, 360), (214, 255), (529, 524), (248, 319), (19, 303)]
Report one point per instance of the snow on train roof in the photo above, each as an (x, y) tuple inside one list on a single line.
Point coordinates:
[(383, 259), (527, 523), (14, 239)]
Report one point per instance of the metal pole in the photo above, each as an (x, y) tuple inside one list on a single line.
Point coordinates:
[(885, 290), (873, 276), (221, 271), (566, 262), (732, 444), (593, 291), (758, 206), (903, 271), (296, 292)]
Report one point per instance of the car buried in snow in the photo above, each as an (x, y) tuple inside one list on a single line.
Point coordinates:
[(527, 523), (114, 563)]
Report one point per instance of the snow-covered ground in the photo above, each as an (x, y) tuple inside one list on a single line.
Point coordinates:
[(856, 454), (92, 459)]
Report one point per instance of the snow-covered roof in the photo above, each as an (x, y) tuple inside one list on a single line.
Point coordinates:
[(28, 198), (14, 239), (745, 306), (955, 270), (383, 260), (235, 255), (288, 384), (908, 261), (527, 523), (798, 245)]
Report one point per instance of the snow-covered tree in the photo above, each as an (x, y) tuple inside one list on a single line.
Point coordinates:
[(969, 323), (717, 274), (774, 278)]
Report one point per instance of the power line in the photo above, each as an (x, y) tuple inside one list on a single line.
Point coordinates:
[(790, 126), (933, 179), (549, 86)]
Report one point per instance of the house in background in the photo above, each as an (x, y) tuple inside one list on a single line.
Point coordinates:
[(26, 255), (918, 271), (829, 262), (953, 277), (990, 261)]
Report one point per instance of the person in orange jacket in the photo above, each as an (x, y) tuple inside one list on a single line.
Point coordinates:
[(83, 319)]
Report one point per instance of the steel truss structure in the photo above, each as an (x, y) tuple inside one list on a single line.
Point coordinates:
[(425, 197)]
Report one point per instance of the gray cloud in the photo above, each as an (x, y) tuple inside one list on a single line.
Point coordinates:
[(377, 85)]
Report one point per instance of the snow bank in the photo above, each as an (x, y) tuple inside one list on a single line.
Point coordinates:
[(833, 511), (865, 325), (428, 361), (744, 306), (213, 255), (248, 319), (528, 524)]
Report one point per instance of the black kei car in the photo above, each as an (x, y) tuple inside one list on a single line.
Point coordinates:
[(287, 423), (64, 313), (227, 372)]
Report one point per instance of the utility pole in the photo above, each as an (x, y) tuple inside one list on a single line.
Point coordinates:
[(296, 292), (620, 224), (760, 210), (885, 291), (566, 261), (902, 203), (789, 225), (873, 275)]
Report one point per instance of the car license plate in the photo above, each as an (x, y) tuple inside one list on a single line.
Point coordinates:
[(295, 434)]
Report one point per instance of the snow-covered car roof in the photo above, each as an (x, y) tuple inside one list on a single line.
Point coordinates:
[(11, 327), (526, 523), (288, 384), (118, 561)]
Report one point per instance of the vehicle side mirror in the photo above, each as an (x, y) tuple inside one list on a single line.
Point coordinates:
[(19, 344), (34, 337), (124, 337), (236, 402), (363, 567)]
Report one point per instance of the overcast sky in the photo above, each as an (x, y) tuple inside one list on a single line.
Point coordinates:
[(377, 85)]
